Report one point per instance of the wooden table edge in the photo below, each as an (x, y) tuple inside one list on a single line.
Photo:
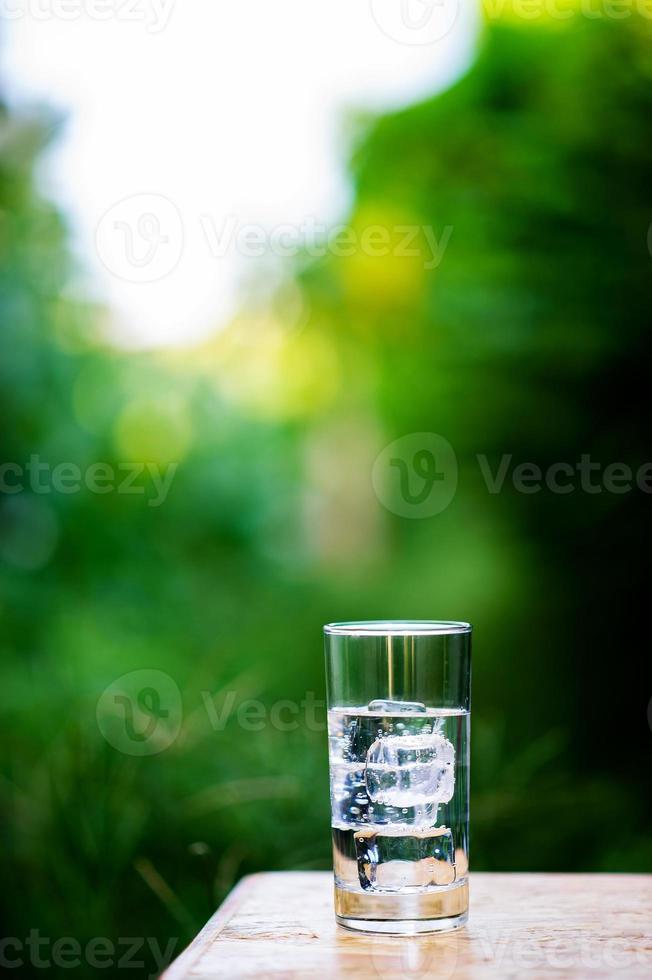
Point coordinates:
[(179, 968)]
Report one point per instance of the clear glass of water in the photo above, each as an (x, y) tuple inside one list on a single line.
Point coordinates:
[(399, 698)]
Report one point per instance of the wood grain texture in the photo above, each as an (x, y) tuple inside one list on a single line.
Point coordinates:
[(534, 925)]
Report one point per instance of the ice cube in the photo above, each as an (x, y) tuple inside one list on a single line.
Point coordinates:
[(410, 770), (381, 706), (390, 862)]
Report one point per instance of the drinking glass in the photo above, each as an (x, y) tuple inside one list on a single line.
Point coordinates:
[(398, 730)]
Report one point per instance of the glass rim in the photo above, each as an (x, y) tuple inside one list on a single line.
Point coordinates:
[(398, 627)]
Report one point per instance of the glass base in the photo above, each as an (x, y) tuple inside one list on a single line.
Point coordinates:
[(404, 927), (436, 910)]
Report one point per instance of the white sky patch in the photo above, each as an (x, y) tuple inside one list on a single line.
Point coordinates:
[(187, 118)]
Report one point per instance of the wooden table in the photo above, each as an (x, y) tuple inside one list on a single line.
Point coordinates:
[(533, 925)]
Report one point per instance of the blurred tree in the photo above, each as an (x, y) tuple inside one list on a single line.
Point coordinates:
[(529, 338)]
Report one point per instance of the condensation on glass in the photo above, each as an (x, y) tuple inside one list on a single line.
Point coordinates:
[(398, 730)]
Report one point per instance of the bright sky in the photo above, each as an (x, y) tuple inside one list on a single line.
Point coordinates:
[(190, 119)]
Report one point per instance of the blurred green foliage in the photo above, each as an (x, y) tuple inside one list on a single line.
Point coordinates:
[(531, 337)]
